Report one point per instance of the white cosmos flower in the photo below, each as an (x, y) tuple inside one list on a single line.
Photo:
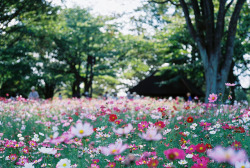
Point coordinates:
[(28, 165), (63, 163), (21, 138), (242, 165), (192, 127), (246, 119), (189, 155), (217, 126), (212, 132), (186, 133), (182, 162), (19, 135), (47, 150), (166, 131), (82, 130)]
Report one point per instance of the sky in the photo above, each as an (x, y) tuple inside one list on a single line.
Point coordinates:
[(110, 7)]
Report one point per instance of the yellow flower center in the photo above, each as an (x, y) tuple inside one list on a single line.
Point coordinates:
[(81, 131), (143, 125), (242, 167), (191, 148), (201, 148), (113, 151), (213, 98), (176, 154), (236, 145), (64, 164)]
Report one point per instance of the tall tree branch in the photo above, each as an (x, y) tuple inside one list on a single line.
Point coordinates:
[(220, 24), (193, 33), (209, 22), (231, 33)]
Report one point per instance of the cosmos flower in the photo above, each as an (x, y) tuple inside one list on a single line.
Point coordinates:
[(28, 165), (82, 130), (13, 157), (151, 135), (119, 158), (112, 117), (114, 149), (229, 155), (160, 124), (153, 163), (111, 164), (190, 119), (242, 164), (47, 150), (174, 153), (236, 145), (64, 163), (201, 148), (212, 98), (143, 124), (124, 130)]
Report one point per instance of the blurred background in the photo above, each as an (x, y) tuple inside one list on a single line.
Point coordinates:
[(96, 47)]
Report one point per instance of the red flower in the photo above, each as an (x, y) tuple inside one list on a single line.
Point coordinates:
[(160, 124), (201, 148), (236, 145), (95, 129), (190, 119), (209, 146), (112, 117), (153, 163), (175, 108), (76, 113)]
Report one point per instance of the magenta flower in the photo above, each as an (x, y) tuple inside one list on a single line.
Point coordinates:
[(191, 149), (143, 124), (229, 155), (174, 153), (212, 98)]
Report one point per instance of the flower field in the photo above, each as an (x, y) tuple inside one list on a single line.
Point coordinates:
[(123, 133)]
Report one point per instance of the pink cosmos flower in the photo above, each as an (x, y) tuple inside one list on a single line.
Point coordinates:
[(174, 153), (94, 166), (114, 149), (230, 84), (13, 157), (82, 130), (119, 158), (111, 164), (143, 124), (22, 161), (191, 149), (212, 98), (124, 130), (229, 155), (151, 135)]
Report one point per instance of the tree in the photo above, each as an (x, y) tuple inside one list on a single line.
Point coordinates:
[(208, 29), (85, 45)]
